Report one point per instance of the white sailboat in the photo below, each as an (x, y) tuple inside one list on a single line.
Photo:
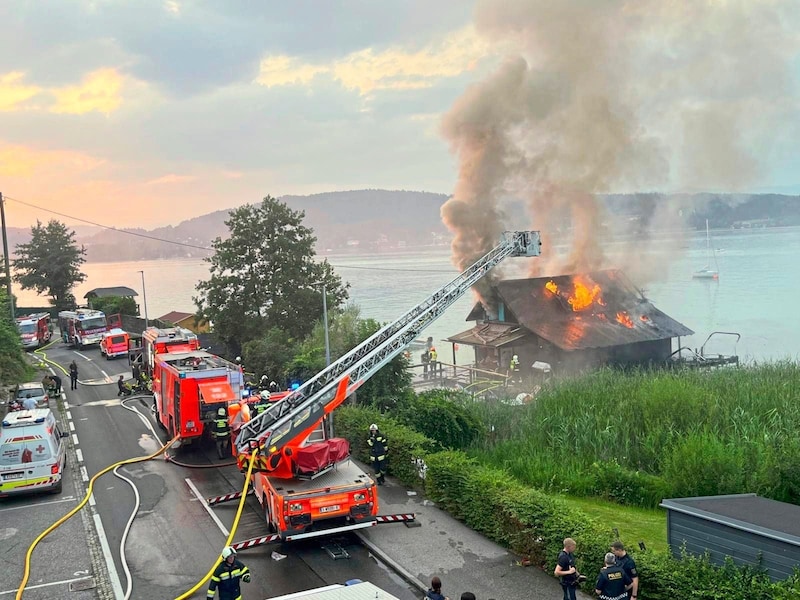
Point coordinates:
[(707, 272)]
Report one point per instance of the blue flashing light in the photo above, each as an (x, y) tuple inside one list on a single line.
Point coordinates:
[(39, 420), (182, 376), (6, 424), (294, 386), (245, 393)]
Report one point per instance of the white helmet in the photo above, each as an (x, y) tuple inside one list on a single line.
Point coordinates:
[(228, 551), (373, 427), (264, 395), (221, 412)]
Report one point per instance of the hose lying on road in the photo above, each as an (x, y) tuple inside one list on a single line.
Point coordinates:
[(228, 542), (81, 504), (41, 353)]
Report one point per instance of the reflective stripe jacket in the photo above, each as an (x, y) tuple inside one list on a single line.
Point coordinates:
[(378, 446), (226, 579), (221, 428)]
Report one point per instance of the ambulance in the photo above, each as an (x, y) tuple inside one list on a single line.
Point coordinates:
[(33, 453), (114, 343)]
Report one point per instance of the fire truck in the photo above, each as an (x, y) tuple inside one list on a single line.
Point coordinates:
[(189, 387), (34, 330), (155, 341), (304, 480), (82, 327)]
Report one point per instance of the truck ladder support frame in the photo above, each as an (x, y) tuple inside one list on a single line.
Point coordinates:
[(283, 421)]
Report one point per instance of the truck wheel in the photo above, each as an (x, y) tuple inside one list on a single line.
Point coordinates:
[(270, 525)]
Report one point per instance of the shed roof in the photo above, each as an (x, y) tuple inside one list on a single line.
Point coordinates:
[(175, 316), (619, 315), (493, 335), (119, 290), (748, 512)]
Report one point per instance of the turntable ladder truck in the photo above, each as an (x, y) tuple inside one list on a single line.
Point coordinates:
[(293, 504)]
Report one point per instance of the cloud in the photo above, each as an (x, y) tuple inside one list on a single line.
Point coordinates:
[(171, 178), (14, 93), (99, 91), (24, 161), (395, 68)]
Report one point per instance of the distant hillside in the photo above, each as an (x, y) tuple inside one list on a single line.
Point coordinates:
[(373, 220)]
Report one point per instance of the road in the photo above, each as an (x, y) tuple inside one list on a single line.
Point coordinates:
[(175, 538)]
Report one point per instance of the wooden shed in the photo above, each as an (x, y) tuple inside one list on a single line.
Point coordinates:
[(750, 529)]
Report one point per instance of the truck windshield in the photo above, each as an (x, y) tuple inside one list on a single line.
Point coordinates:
[(27, 328), (93, 323)]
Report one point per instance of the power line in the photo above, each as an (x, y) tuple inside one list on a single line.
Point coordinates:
[(196, 247)]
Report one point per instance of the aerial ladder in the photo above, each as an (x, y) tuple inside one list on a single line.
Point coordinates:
[(273, 433)]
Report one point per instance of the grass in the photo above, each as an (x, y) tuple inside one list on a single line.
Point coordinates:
[(634, 524)]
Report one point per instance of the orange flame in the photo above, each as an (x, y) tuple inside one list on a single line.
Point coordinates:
[(624, 319), (584, 296), (645, 319), (551, 285)]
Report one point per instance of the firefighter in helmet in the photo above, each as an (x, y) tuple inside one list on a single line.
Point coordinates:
[(513, 367), (222, 432), (262, 403), (227, 575), (378, 449)]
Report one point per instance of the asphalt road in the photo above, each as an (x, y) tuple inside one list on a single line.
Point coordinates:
[(173, 540)]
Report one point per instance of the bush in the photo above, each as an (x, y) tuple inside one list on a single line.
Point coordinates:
[(701, 465), (614, 482), (442, 415)]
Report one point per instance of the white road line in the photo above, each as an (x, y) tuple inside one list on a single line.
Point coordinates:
[(72, 427), (84, 475), (42, 585), (28, 506), (78, 453), (92, 503), (82, 355), (116, 585), (66, 412), (74, 439), (214, 517)]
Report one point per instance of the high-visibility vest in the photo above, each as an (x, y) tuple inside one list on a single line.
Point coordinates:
[(433, 355), (221, 428)]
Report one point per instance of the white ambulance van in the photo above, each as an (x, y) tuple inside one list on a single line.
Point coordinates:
[(32, 453)]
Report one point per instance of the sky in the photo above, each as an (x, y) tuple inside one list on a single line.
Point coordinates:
[(148, 112)]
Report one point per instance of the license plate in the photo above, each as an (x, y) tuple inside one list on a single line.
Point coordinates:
[(13, 476), (332, 508)]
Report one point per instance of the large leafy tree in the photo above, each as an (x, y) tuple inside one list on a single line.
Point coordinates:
[(265, 276), (50, 263), (13, 366)]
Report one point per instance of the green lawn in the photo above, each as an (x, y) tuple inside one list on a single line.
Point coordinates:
[(634, 524)]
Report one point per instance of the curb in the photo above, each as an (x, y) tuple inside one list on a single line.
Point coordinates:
[(391, 563)]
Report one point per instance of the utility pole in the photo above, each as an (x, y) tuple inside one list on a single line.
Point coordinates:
[(6, 258)]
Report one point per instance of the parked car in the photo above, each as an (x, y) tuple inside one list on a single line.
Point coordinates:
[(32, 453), (32, 390)]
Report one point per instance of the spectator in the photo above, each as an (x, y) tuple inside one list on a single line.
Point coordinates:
[(435, 591), (29, 403)]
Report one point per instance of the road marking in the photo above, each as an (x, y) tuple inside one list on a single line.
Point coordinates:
[(84, 475), (112, 568), (82, 355), (214, 517), (79, 454), (72, 427), (43, 585), (105, 374), (69, 414), (29, 506), (75, 439), (92, 503)]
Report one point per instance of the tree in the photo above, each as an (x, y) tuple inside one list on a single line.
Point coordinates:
[(50, 263), (265, 275), (111, 305), (13, 366)]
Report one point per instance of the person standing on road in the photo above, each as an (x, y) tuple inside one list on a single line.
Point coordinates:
[(73, 376), (29, 403), (628, 565), (435, 591), (613, 583), (222, 432), (378, 448), (566, 569), (227, 575)]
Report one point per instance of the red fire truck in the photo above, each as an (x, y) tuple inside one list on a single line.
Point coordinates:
[(157, 341), (189, 387), (82, 327), (304, 480), (34, 330)]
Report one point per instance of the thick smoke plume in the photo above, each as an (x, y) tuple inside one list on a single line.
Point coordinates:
[(593, 97)]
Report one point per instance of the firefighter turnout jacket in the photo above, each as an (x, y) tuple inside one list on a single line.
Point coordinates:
[(221, 428), (226, 579), (378, 446)]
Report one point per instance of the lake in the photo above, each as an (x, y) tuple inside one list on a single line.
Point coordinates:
[(756, 294)]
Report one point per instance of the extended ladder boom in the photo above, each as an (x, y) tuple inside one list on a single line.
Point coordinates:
[(281, 422)]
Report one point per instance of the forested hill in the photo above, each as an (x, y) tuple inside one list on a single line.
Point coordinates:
[(372, 220)]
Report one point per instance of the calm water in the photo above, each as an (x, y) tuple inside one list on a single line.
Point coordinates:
[(757, 293)]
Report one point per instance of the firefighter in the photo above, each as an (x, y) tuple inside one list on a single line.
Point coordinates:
[(263, 402), (263, 382), (222, 432), (425, 357), (227, 575), (514, 368), (274, 387), (434, 356), (378, 449)]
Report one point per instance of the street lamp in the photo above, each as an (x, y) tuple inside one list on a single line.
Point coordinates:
[(144, 295)]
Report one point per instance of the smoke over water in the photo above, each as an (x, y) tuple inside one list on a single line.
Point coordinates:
[(614, 96)]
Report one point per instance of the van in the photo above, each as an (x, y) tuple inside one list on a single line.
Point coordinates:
[(114, 343), (32, 453)]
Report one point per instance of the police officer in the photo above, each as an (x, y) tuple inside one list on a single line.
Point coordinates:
[(227, 575), (566, 569), (222, 432), (378, 448), (613, 583), (628, 565), (263, 402)]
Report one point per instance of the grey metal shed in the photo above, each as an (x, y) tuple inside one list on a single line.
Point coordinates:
[(750, 529)]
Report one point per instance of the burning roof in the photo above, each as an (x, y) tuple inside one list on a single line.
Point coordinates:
[(578, 312)]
